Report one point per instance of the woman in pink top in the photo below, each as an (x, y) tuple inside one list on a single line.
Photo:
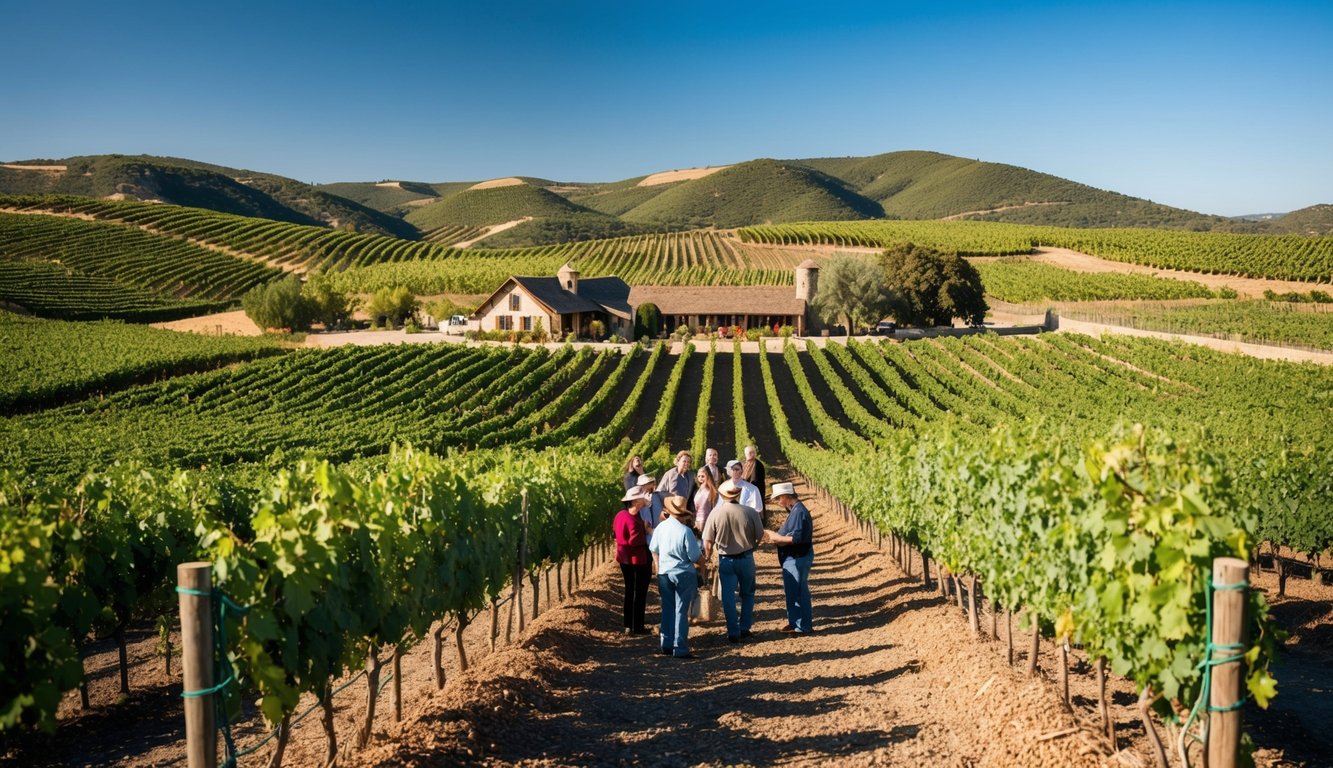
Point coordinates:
[(705, 498), (636, 564)]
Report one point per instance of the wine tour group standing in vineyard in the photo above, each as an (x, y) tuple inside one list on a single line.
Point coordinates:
[(698, 533)]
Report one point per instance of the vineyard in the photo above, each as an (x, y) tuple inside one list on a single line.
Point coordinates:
[(1287, 257), (1019, 280), (968, 468), (47, 361), (1260, 322)]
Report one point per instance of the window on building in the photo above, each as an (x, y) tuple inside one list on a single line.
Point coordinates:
[(515, 303), (527, 322), (504, 323)]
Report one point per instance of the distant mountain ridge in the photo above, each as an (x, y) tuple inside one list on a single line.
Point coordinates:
[(894, 185), (198, 185)]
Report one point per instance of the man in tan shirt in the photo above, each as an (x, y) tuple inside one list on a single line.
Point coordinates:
[(734, 530)]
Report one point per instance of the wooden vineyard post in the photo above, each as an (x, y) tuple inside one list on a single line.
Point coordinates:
[(1230, 584), (522, 564), (195, 585)]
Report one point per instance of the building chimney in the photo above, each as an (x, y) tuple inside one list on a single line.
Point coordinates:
[(569, 279)]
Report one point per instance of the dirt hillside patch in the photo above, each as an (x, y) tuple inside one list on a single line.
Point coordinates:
[(688, 174), (508, 181)]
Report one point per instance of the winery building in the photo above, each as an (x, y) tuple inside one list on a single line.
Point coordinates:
[(567, 304)]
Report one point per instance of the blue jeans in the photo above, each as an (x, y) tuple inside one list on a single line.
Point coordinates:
[(736, 572), (796, 585), (677, 591)]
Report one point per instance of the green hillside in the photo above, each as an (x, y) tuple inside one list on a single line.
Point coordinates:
[(930, 185), (616, 198), (484, 207), (395, 198), (200, 185), (1315, 220), (756, 192)]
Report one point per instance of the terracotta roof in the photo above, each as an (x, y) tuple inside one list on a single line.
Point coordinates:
[(719, 300)]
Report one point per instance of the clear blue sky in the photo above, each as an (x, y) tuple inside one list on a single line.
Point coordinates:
[(1219, 107)]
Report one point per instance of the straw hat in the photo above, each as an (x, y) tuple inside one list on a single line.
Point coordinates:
[(646, 480), (676, 506), (729, 491), (635, 494), (782, 489)]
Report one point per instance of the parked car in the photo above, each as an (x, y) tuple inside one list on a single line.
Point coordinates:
[(886, 328)]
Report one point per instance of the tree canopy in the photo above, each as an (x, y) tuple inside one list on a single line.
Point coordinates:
[(279, 304), (929, 287), (851, 289)]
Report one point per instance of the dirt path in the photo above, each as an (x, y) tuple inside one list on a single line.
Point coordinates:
[(488, 231), (1245, 287), (988, 211), (888, 678)]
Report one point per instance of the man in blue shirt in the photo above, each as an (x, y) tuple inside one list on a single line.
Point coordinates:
[(676, 551), (795, 555)]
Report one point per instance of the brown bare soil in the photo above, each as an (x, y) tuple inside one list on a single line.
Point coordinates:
[(508, 181), (688, 174), (234, 323)]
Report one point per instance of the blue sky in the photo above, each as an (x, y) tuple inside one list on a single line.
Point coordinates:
[(1219, 107)]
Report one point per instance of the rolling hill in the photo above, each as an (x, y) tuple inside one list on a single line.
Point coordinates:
[(1314, 220), (197, 185), (930, 185), (757, 191)]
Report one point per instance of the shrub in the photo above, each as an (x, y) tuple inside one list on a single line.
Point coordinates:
[(597, 329), (786, 331), (279, 304), (647, 320), (393, 305)]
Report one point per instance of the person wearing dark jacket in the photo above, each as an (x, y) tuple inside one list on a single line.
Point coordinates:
[(795, 555), (752, 470), (633, 469)]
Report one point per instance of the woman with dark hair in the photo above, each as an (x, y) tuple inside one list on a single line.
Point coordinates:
[(633, 468), (636, 564)]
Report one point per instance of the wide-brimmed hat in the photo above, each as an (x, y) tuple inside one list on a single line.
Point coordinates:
[(645, 480), (782, 489), (676, 505), (729, 491), (635, 494)]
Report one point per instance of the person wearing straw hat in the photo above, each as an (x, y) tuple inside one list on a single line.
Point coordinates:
[(636, 564), (795, 555), (677, 552), (734, 530)]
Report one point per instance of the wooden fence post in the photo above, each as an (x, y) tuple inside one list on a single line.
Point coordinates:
[(1230, 584), (196, 606)]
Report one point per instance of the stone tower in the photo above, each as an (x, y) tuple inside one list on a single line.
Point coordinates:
[(569, 278), (807, 284)]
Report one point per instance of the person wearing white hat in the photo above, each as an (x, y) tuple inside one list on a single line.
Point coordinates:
[(636, 563), (795, 555), (751, 496), (652, 511)]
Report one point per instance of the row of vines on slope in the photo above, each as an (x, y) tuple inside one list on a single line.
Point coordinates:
[(335, 565)]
